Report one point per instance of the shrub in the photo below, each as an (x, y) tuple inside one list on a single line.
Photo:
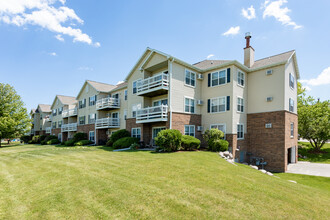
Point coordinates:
[(53, 141), (190, 142), (79, 136), (50, 137), (36, 139), (43, 142), (125, 142), (218, 145), (30, 142), (83, 143), (213, 134), (134, 146), (118, 135), (42, 137), (168, 140), (63, 143), (69, 142), (26, 138)]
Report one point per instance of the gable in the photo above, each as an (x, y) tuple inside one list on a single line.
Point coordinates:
[(86, 91), (154, 59), (55, 102)]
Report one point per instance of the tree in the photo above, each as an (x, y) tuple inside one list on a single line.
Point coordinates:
[(313, 120), (14, 119)]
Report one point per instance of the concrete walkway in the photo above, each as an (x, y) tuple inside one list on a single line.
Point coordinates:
[(307, 168)]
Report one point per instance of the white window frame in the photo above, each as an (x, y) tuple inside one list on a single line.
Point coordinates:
[(291, 100), (84, 120), (292, 129), (218, 73), (89, 137), (240, 105), (135, 133), (293, 82), (162, 128), (137, 108), (189, 127), (92, 100), (190, 78), (240, 138), (90, 118), (190, 105), (239, 79), (220, 124), (135, 81), (125, 95), (218, 98), (159, 100)]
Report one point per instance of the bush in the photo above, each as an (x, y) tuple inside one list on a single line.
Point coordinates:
[(79, 136), (36, 139), (190, 143), (30, 142), (43, 142), (26, 138), (125, 142), (42, 137), (213, 134), (53, 141), (134, 146), (168, 140), (118, 135), (218, 145), (50, 137), (69, 142), (83, 143)]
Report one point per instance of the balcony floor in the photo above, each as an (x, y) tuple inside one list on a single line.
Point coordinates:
[(154, 92)]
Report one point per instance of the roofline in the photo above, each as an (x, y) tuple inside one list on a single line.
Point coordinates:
[(44, 104), (116, 89)]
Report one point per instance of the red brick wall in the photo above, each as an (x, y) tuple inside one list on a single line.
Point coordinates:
[(101, 136), (86, 128), (179, 120), (56, 131)]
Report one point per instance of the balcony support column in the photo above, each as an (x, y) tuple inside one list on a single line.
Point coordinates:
[(170, 64)]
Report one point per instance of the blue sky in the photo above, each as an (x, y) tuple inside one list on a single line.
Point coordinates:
[(50, 47)]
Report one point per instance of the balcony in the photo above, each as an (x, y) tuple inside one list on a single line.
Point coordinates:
[(152, 114), (48, 118), (48, 130), (69, 127), (107, 104), (107, 123), (69, 112), (153, 86)]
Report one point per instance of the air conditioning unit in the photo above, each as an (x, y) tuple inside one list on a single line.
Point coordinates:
[(269, 99), (199, 128), (199, 102), (268, 125), (269, 72), (200, 76)]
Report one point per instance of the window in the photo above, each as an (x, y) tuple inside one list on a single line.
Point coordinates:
[(291, 105), (240, 131), (82, 120), (60, 110), (92, 100), (292, 129), (218, 78), (189, 130), (190, 78), (136, 132), (92, 136), (60, 124), (115, 115), (135, 108), (218, 104), (240, 104), (91, 118), (160, 102), (155, 131), (54, 125), (240, 78), (291, 80), (134, 87), (125, 114), (125, 94), (54, 112), (82, 103), (189, 105), (221, 127)]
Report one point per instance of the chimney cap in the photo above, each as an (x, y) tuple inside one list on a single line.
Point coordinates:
[(247, 34)]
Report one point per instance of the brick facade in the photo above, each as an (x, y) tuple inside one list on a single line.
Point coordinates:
[(101, 136), (86, 128), (56, 131), (179, 120)]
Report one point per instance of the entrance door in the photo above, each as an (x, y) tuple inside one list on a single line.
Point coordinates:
[(292, 155), (242, 156)]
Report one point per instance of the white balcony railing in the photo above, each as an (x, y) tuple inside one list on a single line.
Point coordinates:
[(48, 118), (152, 84), (107, 123), (69, 127), (69, 112), (107, 103), (48, 130), (152, 114)]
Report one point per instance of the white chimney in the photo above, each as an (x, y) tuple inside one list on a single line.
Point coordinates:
[(248, 52)]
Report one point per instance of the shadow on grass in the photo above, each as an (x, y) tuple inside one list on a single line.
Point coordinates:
[(306, 150), (5, 145)]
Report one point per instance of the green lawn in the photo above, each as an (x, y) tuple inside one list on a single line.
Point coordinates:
[(314, 157), (48, 182)]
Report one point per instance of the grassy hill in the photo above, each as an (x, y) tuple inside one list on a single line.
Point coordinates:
[(48, 182)]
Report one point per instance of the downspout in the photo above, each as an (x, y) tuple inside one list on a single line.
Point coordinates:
[(170, 89)]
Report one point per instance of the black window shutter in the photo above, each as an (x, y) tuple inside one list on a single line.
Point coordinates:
[(89, 101), (208, 105), (209, 79), (228, 103), (228, 75), (95, 98)]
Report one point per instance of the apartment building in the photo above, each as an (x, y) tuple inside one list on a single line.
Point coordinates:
[(253, 103), (41, 120)]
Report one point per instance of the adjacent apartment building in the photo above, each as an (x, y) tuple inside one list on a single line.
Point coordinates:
[(253, 103)]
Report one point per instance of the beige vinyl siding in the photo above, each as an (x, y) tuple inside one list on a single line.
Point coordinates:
[(85, 94), (58, 117), (155, 59), (262, 86), (289, 92)]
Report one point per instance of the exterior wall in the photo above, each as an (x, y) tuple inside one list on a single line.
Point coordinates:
[(155, 59), (179, 120), (289, 92), (56, 131), (86, 129), (56, 105), (86, 92)]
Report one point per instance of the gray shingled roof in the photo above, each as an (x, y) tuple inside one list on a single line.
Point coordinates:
[(67, 100), (120, 85), (205, 64), (101, 87), (45, 108), (272, 59)]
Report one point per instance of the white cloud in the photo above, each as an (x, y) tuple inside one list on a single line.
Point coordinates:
[(53, 54), (307, 88), (59, 37), (43, 13), (232, 31), (249, 13), (209, 56), (85, 68), (275, 9), (322, 79)]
